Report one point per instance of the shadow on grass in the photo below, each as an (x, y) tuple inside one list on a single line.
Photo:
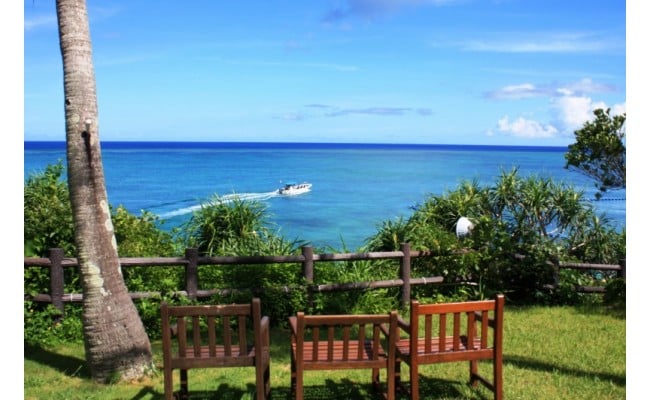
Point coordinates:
[(330, 390), (430, 387), (222, 392), (148, 393), (443, 389), (334, 389), (67, 365), (532, 364)]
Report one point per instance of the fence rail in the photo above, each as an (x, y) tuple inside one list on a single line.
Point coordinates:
[(56, 262)]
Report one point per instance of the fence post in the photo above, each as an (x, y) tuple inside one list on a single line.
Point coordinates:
[(192, 272), (308, 264), (621, 273), (56, 278), (308, 271), (405, 272), (556, 272)]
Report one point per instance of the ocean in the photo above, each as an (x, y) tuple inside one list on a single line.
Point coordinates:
[(355, 188)]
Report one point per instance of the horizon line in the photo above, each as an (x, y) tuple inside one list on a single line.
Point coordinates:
[(198, 142)]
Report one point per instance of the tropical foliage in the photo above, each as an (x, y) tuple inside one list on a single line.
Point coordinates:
[(519, 224), (238, 227), (48, 224), (599, 151), (47, 213)]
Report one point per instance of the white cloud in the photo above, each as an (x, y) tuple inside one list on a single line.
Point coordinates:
[(543, 42), (374, 8), (45, 21), (292, 116), (332, 111), (583, 86), (570, 108), (529, 90), (618, 109), (514, 92), (570, 114), (573, 111), (526, 128)]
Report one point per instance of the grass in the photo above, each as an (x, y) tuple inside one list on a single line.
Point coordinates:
[(549, 353)]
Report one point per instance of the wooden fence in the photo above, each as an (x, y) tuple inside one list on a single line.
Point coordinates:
[(56, 262)]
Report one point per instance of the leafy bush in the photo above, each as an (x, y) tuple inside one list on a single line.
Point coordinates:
[(142, 236), (519, 225), (48, 224), (599, 151), (240, 227), (355, 301), (44, 324), (615, 293), (47, 213)]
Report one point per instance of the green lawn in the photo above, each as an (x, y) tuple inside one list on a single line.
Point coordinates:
[(549, 353)]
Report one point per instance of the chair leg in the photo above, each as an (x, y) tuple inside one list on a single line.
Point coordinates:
[(390, 381), (398, 373), (299, 386), (498, 380), (296, 380), (415, 383), (399, 385), (473, 373), (184, 393), (375, 379), (267, 381), (169, 383), (262, 381)]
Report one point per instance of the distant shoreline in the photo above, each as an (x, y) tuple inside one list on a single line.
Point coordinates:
[(42, 145)]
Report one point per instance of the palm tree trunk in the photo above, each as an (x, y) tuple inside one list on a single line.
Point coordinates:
[(116, 343)]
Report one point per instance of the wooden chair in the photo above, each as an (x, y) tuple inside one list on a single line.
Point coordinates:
[(348, 342), (215, 336), (435, 343)]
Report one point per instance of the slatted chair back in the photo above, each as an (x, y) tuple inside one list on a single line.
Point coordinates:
[(215, 336), (338, 342), (459, 331)]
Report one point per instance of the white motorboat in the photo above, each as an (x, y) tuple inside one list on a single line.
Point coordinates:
[(291, 189)]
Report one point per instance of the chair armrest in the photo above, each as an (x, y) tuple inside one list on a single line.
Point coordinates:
[(478, 318), (385, 330), (293, 325), (405, 326), (265, 324), (400, 324)]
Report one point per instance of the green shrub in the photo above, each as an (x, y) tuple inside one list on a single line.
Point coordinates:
[(239, 228), (520, 225), (47, 213), (359, 301), (615, 293), (44, 324)]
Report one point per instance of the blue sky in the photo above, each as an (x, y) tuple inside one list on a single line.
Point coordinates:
[(520, 72)]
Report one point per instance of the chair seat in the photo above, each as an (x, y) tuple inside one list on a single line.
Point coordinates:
[(403, 346), (220, 351), (339, 353), (217, 359)]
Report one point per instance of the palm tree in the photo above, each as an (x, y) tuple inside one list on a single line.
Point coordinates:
[(116, 343)]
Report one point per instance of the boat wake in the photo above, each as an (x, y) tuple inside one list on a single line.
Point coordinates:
[(225, 198)]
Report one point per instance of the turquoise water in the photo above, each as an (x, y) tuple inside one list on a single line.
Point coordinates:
[(355, 187)]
